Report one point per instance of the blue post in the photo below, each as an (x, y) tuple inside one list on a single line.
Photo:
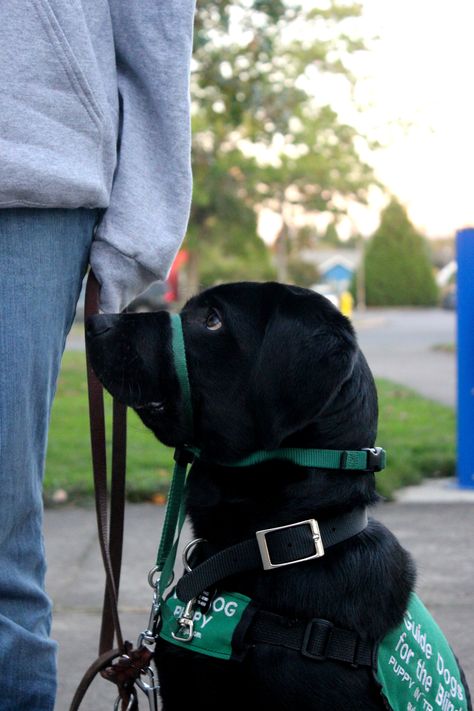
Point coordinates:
[(465, 356)]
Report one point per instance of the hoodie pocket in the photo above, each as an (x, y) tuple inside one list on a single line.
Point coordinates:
[(57, 132), (71, 66)]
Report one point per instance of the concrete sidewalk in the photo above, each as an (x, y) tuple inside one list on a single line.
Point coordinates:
[(439, 535)]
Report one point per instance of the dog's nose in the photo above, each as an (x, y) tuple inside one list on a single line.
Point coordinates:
[(100, 324)]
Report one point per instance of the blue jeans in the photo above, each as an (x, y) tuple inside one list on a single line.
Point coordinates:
[(43, 258)]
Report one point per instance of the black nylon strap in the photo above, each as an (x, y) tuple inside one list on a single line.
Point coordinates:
[(285, 545), (318, 639)]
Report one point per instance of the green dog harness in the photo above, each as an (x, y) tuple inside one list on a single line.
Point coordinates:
[(413, 664)]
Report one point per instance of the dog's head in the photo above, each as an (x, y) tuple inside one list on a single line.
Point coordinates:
[(269, 365)]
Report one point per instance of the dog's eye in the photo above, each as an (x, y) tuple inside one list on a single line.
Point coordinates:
[(213, 320)]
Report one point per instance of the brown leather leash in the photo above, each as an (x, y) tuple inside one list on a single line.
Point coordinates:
[(129, 663)]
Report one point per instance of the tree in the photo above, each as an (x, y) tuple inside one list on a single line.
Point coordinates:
[(226, 232), (300, 271), (223, 225), (398, 271), (251, 97), (330, 237)]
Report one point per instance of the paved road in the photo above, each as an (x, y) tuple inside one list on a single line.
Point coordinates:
[(438, 535), (398, 344)]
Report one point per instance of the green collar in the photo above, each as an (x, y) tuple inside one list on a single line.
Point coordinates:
[(368, 459)]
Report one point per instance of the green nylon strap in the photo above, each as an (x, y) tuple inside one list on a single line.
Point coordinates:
[(174, 503), (174, 520), (179, 353), (175, 512), (168, 566), (319, 458)]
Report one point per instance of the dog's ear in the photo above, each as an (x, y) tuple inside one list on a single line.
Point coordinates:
[(307, 354)]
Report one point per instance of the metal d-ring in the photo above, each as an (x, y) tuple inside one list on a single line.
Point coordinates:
[(188, 548), (153, 582)]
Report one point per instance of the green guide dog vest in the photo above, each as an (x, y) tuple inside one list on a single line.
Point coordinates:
[(416, 668)]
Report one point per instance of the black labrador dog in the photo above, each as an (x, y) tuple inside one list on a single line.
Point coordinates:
[(270, 366)]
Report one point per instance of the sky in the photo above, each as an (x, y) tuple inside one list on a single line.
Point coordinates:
[(416, 86)]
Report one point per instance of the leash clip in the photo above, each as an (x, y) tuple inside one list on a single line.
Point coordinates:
[(185, 630), (149, 635), (132, 703), (150, 689)]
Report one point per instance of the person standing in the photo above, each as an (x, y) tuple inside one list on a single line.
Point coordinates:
[(95, 144)]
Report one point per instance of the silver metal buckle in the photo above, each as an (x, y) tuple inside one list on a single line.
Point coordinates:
[(265, 554)]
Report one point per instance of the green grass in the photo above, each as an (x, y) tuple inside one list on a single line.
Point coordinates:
[(68, 463), (418, 435)]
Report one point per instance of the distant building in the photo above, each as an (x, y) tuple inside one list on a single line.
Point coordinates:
[(336, 267)]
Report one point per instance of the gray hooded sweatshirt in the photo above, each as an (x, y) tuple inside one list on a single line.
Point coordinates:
[(95, 113)]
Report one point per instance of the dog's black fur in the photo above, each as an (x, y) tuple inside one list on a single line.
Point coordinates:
[(282, 369)]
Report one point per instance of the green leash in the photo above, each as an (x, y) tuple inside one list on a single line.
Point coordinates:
[(182, 459), (370, 459), (175, 512)]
